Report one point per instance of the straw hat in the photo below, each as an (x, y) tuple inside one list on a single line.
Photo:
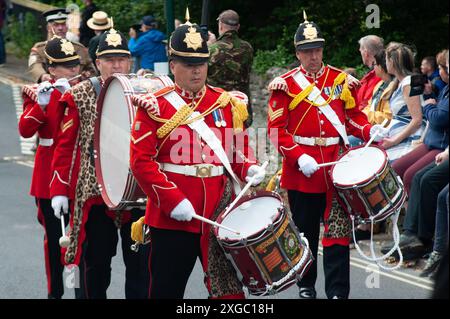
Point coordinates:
[(99, 21)]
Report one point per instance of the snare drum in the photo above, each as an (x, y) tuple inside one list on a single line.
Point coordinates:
[(269, 254), (115, 116), (367, 185)]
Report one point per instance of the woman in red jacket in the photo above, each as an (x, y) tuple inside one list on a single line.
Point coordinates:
[(42, 115)]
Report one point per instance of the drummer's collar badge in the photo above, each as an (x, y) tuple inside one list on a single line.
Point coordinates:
[(113, 38), (193, 39), (67, 47)]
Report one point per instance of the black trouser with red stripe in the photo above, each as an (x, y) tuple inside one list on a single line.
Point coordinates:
[(173, 257), (307, 211), (100, 246), (52, 251)]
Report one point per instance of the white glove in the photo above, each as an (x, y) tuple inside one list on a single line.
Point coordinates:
[(382, 132), (62, 85), (307, 164), (60, 203), (183, 211), (44, 90), (256, 172)]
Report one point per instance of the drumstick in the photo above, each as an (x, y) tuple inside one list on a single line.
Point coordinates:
[(64, 240), (330, 163), (264, 165), (75, 77), (374, 135), (208, 221)]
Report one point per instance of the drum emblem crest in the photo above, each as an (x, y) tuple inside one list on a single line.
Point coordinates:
[(390, 185), (291, 244)]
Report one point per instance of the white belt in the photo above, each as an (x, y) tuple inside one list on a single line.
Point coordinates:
[(320, 141), (45, 141), (198, 170)]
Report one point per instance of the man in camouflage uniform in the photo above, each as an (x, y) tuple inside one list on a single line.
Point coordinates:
[(231, 59), (56, 25)]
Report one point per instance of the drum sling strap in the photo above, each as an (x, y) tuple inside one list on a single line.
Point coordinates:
[(207, 135), (326, 109), (96, 84)]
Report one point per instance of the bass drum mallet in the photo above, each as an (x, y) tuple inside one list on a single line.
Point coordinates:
[(63, 240)]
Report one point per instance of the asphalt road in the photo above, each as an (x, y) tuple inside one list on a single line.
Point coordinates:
[(22, 273)]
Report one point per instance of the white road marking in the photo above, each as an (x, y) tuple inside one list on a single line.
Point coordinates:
[(397, 275), (26, 144)]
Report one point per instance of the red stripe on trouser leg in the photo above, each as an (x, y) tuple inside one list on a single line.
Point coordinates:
[(41, 219)]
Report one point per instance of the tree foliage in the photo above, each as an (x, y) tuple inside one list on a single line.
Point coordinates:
[(270, 24)]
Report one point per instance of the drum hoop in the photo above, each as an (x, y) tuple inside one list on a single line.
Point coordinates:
[(131, 183), (244, 199), (98, 166), (366, 181)]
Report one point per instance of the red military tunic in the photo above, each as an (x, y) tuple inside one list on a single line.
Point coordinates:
[(66, 161), (44, 122), (307, 120), (183, 147)]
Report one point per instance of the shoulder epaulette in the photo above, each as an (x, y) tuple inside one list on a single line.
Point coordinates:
[(30, 91), (239, 95), (147, 101), (279, 83)]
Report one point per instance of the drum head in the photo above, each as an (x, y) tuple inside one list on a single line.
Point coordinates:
[(358, 165), (115, 133), (250, 217)]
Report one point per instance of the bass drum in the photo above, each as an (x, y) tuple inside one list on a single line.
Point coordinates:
[(112, 135)]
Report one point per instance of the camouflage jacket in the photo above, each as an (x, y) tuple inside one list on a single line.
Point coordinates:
[(230, 63)]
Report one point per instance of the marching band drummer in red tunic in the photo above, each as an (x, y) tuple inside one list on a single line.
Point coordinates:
[(311, 110), (42, 115), (182, 171), (94, 229)]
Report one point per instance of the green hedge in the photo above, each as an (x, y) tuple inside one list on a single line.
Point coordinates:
[(22, 36)]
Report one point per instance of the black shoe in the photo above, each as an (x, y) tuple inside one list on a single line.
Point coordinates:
[(432, 264), (405, 240), (307, 293), (413, 252)]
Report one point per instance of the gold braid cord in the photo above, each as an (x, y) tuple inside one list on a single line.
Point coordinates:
[(181, 116), (240, 114), (183, 113), (346, 95)]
